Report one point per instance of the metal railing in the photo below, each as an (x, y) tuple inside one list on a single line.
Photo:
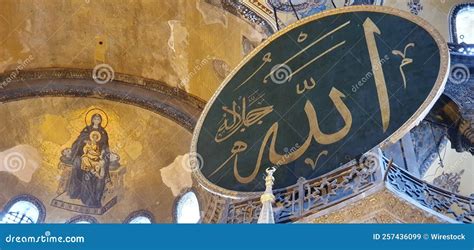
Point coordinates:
[(454, 207), (309, 197)]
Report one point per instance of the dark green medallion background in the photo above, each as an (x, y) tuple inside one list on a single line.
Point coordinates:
[(344, 68)]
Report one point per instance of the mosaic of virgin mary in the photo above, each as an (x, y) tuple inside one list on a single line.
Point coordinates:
[(90, 158), (92, 178)]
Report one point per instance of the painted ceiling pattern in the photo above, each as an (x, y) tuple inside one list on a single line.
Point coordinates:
[(265, 12)]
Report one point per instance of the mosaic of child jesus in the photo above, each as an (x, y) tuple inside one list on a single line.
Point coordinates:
[(92, 159)]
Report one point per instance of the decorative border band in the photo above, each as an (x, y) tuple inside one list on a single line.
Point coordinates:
[(152, 95)]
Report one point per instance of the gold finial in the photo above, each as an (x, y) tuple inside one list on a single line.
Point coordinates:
[(269, 179), (267, 198)]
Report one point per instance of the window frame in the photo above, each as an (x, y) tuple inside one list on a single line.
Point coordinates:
[(28, 198), (452, 20), (178, 198), (140, 213), (82, 217)]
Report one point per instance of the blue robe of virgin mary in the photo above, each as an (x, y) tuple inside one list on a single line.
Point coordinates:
[(84, 185)]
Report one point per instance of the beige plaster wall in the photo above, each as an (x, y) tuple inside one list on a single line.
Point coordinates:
[(173, 41)]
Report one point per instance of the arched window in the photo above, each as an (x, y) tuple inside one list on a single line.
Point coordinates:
[(23, 209), (140, 217), (462, 21), (187, 208), (140, 220), (82, 219)]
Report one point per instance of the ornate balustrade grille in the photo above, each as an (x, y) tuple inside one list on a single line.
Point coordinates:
[(309, 197), (454, 206)]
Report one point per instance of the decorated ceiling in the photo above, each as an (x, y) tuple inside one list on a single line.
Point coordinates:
[(95, 157)]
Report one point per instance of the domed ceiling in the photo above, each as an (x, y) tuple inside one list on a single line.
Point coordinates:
[(43, 139)]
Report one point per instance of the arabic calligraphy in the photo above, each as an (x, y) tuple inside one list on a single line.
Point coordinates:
[(239, 146), (312, 163), (316, 58), (306, 86), (301, 37), (265, 79), (314, 133), (369, 30), (405, 61), (240, 119), (267, 58)]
